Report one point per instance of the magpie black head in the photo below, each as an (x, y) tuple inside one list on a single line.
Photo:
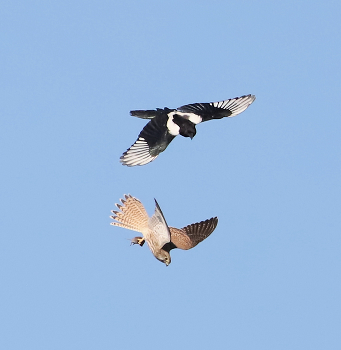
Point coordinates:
[(187, 128)]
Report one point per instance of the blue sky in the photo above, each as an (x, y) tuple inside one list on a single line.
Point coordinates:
[(269, 275)]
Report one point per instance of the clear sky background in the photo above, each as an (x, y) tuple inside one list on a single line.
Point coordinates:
[(269, 276)]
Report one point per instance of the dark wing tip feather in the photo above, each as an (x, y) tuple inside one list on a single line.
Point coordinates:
[(199, 231)]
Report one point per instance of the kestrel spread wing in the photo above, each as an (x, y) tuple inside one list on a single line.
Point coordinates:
[(159, 237), (191, 235), (165, 124)]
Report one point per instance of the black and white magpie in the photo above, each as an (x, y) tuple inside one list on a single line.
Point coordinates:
[(167, 123)]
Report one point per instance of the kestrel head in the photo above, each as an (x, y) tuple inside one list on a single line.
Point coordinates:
[(163, 256)]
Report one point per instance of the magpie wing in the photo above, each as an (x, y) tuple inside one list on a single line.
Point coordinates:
[(218, 110)]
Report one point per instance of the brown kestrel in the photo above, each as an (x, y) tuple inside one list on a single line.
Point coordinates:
[(160, 238)]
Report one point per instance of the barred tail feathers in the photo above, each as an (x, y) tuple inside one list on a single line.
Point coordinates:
[(131, 215)]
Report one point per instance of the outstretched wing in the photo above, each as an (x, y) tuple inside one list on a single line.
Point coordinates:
[(218, 110), (191, 235), (158, 228), (152, 140)]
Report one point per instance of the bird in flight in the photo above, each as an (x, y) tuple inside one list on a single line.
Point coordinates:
[(165, 124), (160, 237)]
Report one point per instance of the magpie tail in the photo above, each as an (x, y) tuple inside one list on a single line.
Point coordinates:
[(148, 114)]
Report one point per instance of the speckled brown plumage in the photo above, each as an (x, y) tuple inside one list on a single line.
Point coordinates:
[(191, 235), (160, 237)]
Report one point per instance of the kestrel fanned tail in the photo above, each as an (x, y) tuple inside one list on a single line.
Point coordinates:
[(132, 215)]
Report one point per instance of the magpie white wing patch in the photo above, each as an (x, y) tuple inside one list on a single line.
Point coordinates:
[(137, 154), (173, 128), (194, 118)]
